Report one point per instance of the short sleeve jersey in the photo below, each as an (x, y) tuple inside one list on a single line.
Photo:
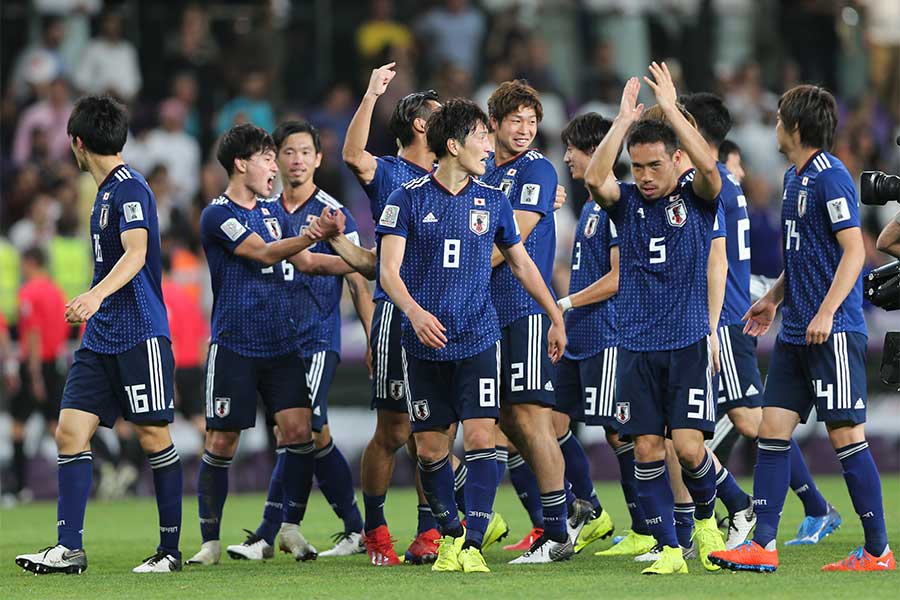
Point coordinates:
[(251, 313), (390, 172), (819, 200), (591, 328), (317, 298), (447, 263), (136, 311), (529, 182), (663, 255)]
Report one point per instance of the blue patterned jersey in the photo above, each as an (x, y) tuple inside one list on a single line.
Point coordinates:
[(136, 312), (390, 172), (529, 181), (819, 200), (591, 328), (663, 256), (447, 264), (251, 312), (317, 298)]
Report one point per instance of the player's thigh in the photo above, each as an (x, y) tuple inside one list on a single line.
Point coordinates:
[(147, 372), (429, 394), (690, 398), (569, 404), (837, 370), (283, 387), (527, 373), (740, 384), (640, 393), (231, 390), (320, 371), (388, 386), (746, 420), (93, 385), (598, 381), (787, 385)]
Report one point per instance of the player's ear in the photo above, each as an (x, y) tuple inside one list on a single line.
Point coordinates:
[(419, 125), (492, 124), (453, 147), (318, 159), (240, 165)]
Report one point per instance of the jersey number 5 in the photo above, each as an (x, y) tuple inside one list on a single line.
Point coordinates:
[(657, 251)]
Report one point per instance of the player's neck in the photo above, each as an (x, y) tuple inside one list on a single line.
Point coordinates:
[(418, 154), (101, 166), (800, 156), (502, 154), (240, 194), (452, 176), (295, 197)]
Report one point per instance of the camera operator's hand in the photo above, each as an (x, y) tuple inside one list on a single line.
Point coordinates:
[(820, 327), (889, 239)]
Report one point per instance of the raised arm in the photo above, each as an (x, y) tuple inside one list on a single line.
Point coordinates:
[(269, 253), (354, 153)]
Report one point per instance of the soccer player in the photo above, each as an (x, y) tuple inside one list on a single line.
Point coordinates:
[(586, 378), (819, 356), (665, 358), (447, 223), (254, 346), (42, 341), (317, 313), (124, 366)]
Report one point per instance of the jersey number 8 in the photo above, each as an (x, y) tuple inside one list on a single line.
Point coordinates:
[(451, 254)]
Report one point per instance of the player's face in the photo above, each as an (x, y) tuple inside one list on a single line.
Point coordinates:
[(298, 159), (785, 139), (734, 166), (260, 173), (475, 151), (79, 156), (653, 169), (577, 161), (517, 130)]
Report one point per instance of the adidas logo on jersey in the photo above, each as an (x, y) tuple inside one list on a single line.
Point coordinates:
[(318, 411), (548, 387), (751, 391), (430, 218), (859, 404)]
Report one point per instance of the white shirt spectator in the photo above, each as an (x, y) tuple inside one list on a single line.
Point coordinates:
[(109, 66)]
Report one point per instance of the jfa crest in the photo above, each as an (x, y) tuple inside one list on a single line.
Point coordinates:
[(506, 186), (421, 411), (590, 228), (676, 213), (623, 412), (479, 221), (223, 407), (397, 389), (801, 203), (104, 216), (273, 226)]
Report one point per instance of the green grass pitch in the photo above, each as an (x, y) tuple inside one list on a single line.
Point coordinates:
[(120, 534)]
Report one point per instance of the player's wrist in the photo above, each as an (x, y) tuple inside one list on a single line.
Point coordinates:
[(565, 304)]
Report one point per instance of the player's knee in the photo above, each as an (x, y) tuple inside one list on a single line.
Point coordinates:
[(153, 438), (690, 454), (844, 434), (221, 443), (429, 453), (561, 424), (475, 438), (71, 441), (649, 449), (295, 431), (746, 421)]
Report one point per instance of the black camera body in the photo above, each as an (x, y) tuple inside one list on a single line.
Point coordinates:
[(881, 286), (877, 188)]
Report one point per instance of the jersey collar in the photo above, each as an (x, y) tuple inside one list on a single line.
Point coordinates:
[(299, 206), (116, 169), (448, 192), (808, 162), (511, 159), (415, 166)]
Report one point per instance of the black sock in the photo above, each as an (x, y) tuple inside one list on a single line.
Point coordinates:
[(18, 464)]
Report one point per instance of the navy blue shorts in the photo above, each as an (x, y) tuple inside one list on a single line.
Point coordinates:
[(320, 369), (447, 392), (137, 384), (661, 391), (526, 372), (739, 382), (588, 387), (233, 382), (829, 376), (388, 387)]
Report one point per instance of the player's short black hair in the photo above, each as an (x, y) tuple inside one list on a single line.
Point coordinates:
[(510, 95), (289, 128), (37, 255), (453, 121), (101, 123), (651, 131), (727, 147), (586, 131), (713, 119), (242, 141), (811, 110), (411, 107)]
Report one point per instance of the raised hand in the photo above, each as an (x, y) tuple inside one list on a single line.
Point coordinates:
[(629, 109), (330, 224), (662, 85), (380, 79)]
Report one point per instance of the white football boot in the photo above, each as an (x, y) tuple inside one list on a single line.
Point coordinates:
[(161, 562), (54, 559), (346, 544), (292, 542), (253, 548), (545, 550), (209, 554)]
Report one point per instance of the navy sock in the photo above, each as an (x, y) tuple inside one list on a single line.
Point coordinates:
[(730, 493), (274, 508), (425, 520), (684, 523), (502, 458), (374, 506), (299, 466), (657, 502), (701, 483), (802, 483), (212, 490), (578, 470), (570, 495), (525, 484), (864, 485), (771, 478), (553, 506), (625, 456), (74, 474), (437, 483), (336, 482), (168, 485), (479, 492), (460, 475)]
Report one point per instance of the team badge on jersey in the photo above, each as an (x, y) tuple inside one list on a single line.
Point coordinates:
[(421, 411), (590, 228), (479, 221), (104, 216), (223, 407), (801, 203), (506, 186), (676, 213), (273, 226), (623, 412), (397, 389)]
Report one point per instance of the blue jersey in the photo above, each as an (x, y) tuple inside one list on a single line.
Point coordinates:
[(251, 312), (663, 256), (819, 200), (529, 181), (447, 264), (591, 328), (317, 298), (136, 311), (390, 173)]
